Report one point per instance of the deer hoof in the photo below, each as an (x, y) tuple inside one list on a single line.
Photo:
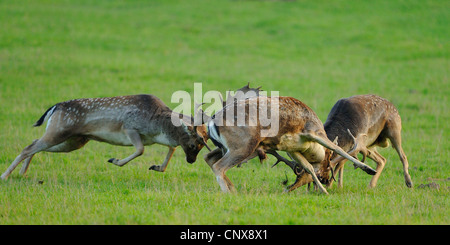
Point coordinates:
[(113, 160), (154, 167)]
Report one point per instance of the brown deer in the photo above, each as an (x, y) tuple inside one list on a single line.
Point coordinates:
[(134, 120), (373, 120), (300, 133)]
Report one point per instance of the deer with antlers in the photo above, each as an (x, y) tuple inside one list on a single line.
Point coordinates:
[(135, 120), (360, 124), (300, 133), (370, 120)]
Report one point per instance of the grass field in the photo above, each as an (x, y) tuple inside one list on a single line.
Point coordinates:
[(315, 51)]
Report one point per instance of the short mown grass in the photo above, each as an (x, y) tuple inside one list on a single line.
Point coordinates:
[(315, 51)]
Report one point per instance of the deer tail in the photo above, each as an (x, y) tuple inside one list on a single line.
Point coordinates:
[(45, 116), (214, 135)]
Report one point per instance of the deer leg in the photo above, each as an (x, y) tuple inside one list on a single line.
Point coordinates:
[(337, 170), (301, 180), (135, 139), (213, 156), (27, 153), (380, 161), (163, 166), (25, 165), (396, 141), (211, 159), (341, 174), (220, 174), (71, 144), (229, 160), (309, 169), (341, 178), (340, 170)]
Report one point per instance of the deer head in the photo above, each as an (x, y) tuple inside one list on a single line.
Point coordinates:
[(196, 136)]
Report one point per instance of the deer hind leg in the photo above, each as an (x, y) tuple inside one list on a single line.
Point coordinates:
[(309, 169), (27, 152), (163, 166), (229, 160), (71, 144), (213, 156), (396, 140), (48, 140), (25, 165), (136, 140), (380, 161)]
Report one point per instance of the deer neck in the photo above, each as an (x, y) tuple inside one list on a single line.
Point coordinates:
[(177, 134)]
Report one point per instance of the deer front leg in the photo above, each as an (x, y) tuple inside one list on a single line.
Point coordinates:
[(381, 161), (163, 166), (302, 179), (341, 174), (135, 139)]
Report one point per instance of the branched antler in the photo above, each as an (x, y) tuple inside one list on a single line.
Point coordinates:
[(292, 164), (358, 146)]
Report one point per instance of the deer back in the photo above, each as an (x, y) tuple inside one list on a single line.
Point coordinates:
[(294, 117), (361, 114)]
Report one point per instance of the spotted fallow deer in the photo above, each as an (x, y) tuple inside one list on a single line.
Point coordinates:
[(373, 120), (134, 120), (300, 133)]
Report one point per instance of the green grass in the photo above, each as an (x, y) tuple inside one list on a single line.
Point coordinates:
[(315, 51)]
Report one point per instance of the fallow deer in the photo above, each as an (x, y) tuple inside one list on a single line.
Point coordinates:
[(248, 92), (300, 133), (134, 120), (373, 120)]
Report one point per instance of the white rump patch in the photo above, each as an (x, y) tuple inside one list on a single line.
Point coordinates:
[(212, 131), (48, 117)]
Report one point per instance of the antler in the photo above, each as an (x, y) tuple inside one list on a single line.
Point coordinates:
[(292, 164), (202, 114), (355, 149), (244, 94)]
